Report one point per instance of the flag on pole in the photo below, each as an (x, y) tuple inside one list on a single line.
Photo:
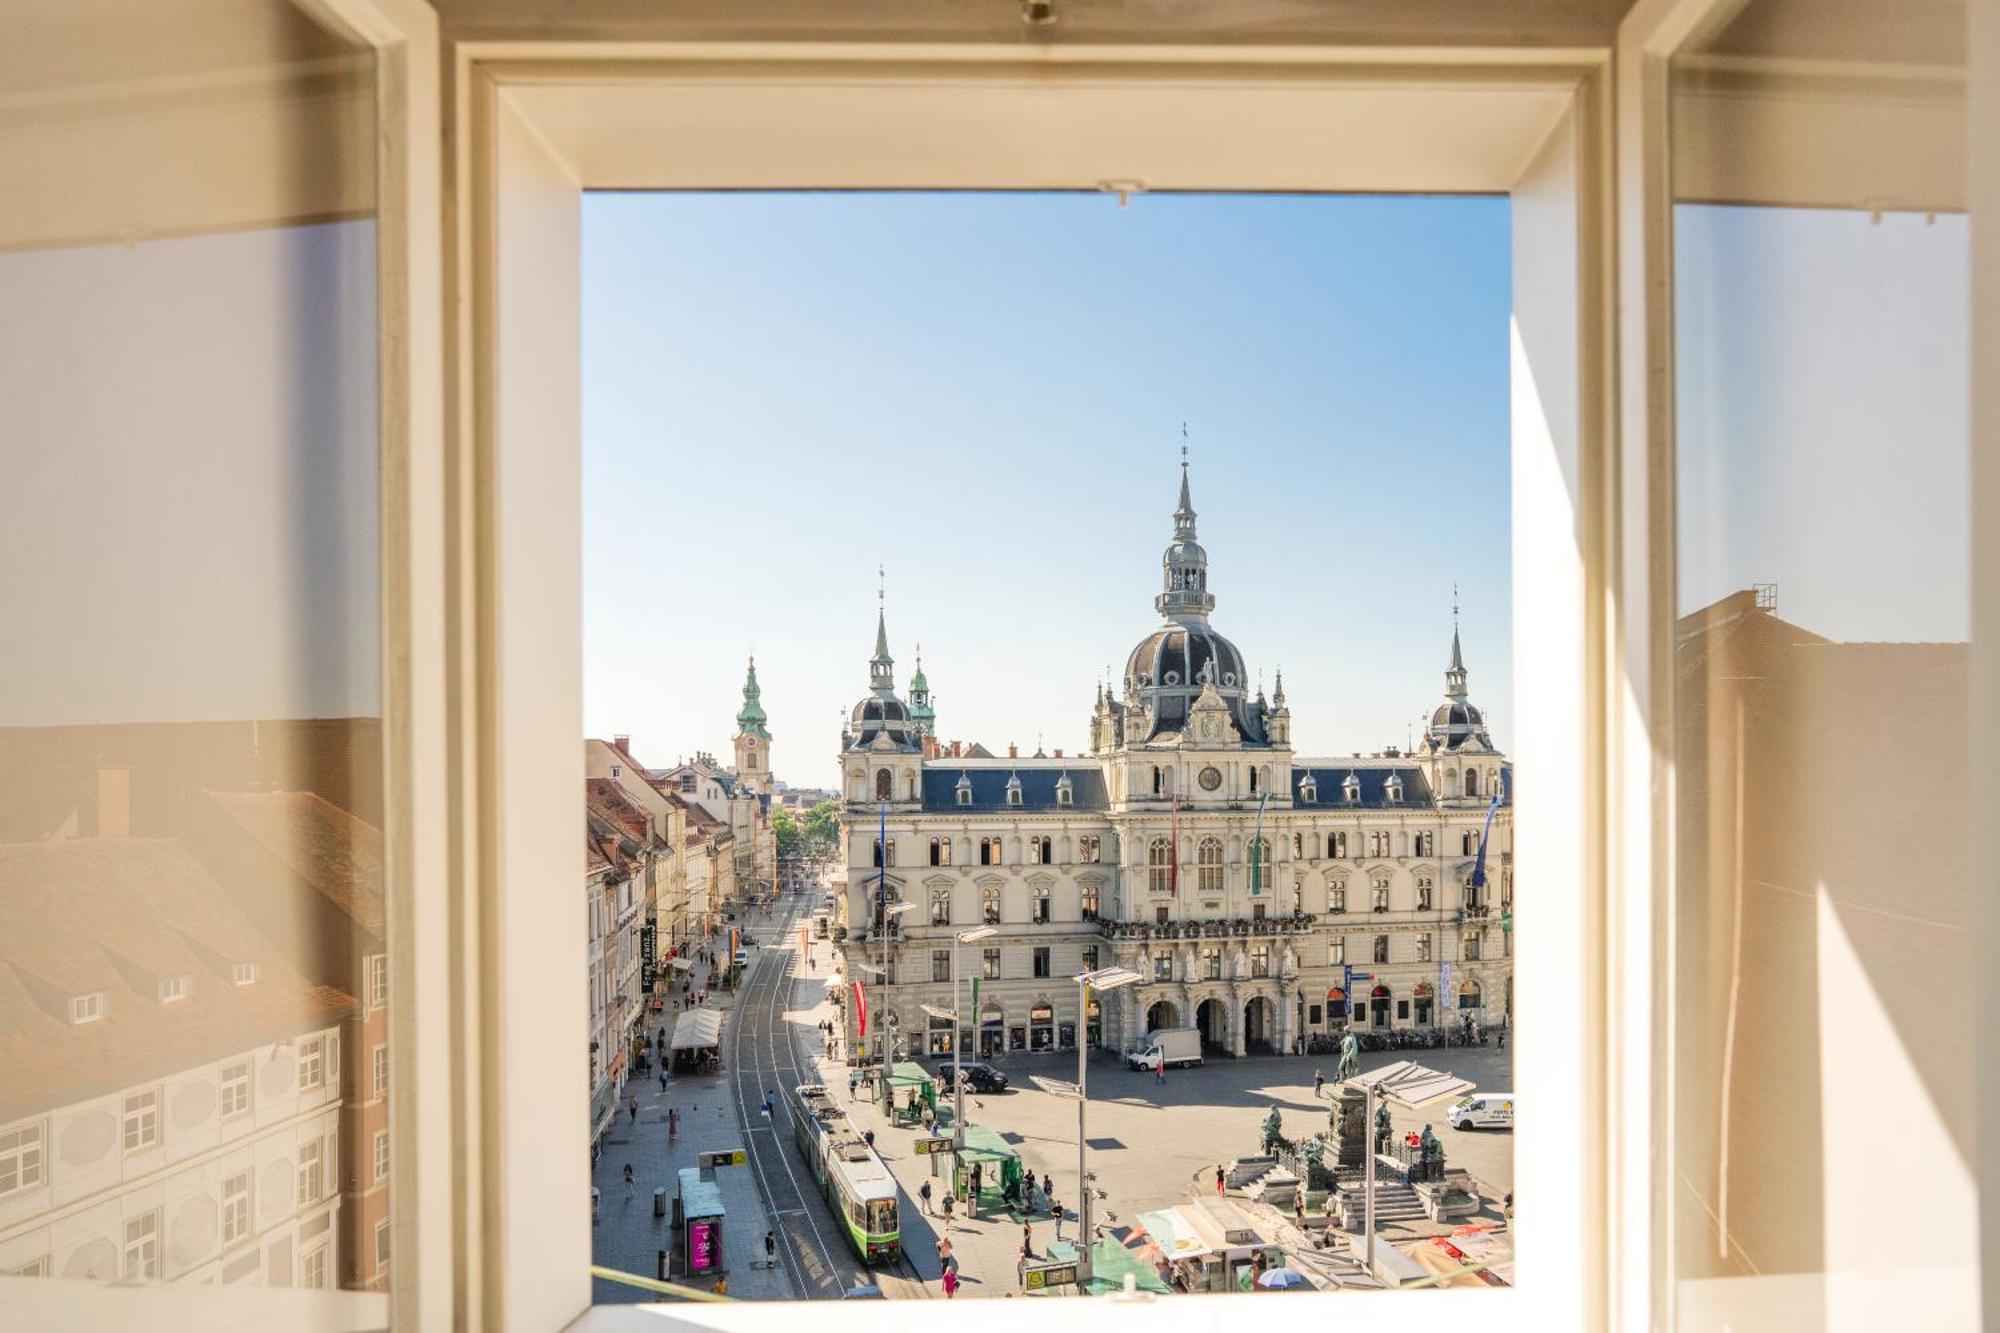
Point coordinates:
[(1479, 863), (975, 999), (860, 1009), (1257, 850)]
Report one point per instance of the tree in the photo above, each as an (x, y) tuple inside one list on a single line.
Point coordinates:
[(821, 831), (787, 832)]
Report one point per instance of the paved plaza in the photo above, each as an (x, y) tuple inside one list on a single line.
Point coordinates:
[(1151, 1145)]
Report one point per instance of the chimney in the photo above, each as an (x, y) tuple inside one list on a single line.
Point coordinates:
[(1058, 753), (623, 743), (114, 802), (1013, 752)]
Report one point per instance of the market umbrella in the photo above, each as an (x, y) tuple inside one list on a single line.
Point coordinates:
[(1282, 1279)]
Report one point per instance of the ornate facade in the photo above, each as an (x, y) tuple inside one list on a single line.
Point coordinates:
[(1250, 888)]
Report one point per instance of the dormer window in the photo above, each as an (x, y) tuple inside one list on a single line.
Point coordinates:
[(1350, 789), (1308, 789), (87, 1008), (1013, 789), (1065, 793), (175, 989), (243, 974), (964, 789), (1392, 790)]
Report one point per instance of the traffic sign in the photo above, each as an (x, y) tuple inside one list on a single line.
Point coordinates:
[(1039, 1277), (925, 1147), (723, 1157)]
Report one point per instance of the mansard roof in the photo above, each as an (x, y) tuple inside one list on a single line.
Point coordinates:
[(989, 787)]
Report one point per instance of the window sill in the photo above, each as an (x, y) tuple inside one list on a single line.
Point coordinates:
[(46, 1302)]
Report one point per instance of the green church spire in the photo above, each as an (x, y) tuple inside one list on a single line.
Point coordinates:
[(750, 718)]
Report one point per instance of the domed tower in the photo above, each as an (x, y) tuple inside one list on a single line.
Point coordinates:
[(922, 715), (1456, 741), (753, 736), (883, 755), (1174, 666)]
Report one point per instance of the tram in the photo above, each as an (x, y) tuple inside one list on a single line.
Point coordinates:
[(849, 1174)]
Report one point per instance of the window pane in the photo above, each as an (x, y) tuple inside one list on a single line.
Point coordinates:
[(1823, 821), (191, 861)]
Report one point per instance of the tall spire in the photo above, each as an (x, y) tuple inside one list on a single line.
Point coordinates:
[(881, 667), (1454, 675), (750, 719), (1184, 594)]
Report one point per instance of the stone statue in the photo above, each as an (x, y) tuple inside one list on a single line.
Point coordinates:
[(1382, 1127), (1350, 1058), (1273, 1131)]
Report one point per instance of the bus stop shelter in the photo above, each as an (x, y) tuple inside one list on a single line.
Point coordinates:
[(1000, 1166), (906, 1077), (698, 1212)]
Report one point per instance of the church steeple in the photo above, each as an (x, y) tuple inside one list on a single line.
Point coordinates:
[(750, 719), (1454, 675), (1184, 595), (922, 715), (881, 667)]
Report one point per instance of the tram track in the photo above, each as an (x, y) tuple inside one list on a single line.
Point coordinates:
[(764, 1056)]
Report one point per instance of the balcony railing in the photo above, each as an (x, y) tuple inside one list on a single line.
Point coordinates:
[(1239, 927)]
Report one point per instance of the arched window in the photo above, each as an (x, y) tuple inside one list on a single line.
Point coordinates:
[(1379, 887), (1089, 902), (1253, 779), (1040, 852), (1336, 896), (1426, 843), (891, 851), (1041, 905), (1159, 780), (1298, 844), (940, 907), (1336, 846), (1014, 790), (1381, 951), (964, 789), (1211, 962), (910, 785), (989, 904), (1350, 789), (1260, 853), (1472, 782), (1392, 790), (1208, 866), (1088, 849), (882, 788), (940, 851), (1468, 843), (1425, 892), (1159, 866)]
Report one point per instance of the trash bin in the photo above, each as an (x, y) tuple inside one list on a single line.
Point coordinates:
[(660, 1201)]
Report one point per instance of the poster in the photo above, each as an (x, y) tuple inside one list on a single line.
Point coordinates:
[(704, 1237)]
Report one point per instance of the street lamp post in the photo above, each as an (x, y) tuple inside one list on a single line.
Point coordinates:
[(1102, 979), (958, 1037), (882, 917)]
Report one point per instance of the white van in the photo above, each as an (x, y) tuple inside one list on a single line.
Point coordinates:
[(1482, 1110)]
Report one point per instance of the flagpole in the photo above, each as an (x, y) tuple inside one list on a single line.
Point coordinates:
[(882, 927)]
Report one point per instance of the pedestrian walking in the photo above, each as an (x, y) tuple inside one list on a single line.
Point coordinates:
[(974, 1179), (946, 1203), (633, 1107), (1057, 1210), (1319, 1082), (1160, 1070), (950, 1283), (628, 1177), (663, 1076), (673, 1123), (770, 1249), (1027, 1240), (1218, 1180), (924, 1197), (1048, 1186), (1299, 1205), (1500, 1036)]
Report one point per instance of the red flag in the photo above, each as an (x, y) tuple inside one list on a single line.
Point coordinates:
[(861, 1008)]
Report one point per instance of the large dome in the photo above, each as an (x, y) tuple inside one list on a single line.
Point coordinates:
[(878, 714), (1175, 655), (1168, 669)]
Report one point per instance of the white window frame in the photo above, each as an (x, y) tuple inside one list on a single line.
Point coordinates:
[(140, 1238), (312, 1071), (236, 1076), (243, 974), (88, 1007), (309, 1174), (379, 1071), (487, 1222), (378, 1166), (239, 1207), (174, 989), (25, 1147), (140, 1108)]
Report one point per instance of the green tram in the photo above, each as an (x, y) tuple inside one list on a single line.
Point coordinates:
[(850, 1175)]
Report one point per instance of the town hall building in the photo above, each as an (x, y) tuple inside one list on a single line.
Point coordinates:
[(1264, 897)]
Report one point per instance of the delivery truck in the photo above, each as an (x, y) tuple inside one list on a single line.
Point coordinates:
[(1166, 1046)]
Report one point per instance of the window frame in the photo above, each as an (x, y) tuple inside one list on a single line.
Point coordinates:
[(518, 159)]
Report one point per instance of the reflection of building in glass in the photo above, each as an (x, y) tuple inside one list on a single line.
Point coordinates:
[(193, 1004), (1825, 896), (172, 1105), (1241, 882)]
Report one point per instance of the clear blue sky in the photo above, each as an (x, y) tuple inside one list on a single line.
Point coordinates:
[(984, 393)]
